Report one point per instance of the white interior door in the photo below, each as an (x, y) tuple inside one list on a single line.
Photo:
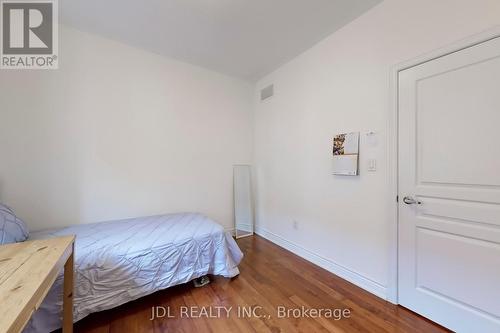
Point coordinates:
[(449, 172)]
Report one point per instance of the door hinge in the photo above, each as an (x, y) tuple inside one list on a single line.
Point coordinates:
[(397, 198)]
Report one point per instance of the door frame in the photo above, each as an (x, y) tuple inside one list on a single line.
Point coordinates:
[(392, 145)]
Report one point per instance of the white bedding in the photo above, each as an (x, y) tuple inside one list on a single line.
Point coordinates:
[(119, 261)]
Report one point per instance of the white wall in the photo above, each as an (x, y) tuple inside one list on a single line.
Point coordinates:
[(118, 132), (341, 85)]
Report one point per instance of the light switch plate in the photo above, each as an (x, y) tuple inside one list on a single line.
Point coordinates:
[(372, 165)]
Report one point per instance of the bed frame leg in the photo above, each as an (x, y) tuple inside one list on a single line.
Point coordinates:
[(201, 281)]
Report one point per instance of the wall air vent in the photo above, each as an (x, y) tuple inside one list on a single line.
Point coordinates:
[(267, 92)]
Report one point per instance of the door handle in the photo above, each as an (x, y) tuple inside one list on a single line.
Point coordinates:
[(411, 201)]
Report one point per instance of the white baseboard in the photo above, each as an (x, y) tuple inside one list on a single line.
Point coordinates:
[(341, 271)]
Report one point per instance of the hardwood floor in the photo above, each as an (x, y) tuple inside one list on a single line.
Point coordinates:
[(271, 277)]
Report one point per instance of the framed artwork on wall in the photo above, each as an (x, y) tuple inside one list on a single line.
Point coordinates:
[(346, 154)]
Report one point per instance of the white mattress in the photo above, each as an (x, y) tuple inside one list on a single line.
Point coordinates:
[(119, 261)]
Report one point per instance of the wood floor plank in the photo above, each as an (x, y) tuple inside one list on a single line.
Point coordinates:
[(133, 318), (270, 277)]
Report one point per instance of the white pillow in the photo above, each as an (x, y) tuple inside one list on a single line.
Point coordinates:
[(12, 229)]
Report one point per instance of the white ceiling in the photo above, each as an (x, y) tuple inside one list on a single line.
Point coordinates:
[(244, 38)]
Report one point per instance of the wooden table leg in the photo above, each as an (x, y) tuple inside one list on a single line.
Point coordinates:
[(68, 295)]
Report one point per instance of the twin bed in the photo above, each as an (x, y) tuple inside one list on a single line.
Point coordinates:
[(120, 261)]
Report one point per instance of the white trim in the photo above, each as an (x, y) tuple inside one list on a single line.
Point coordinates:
[(392, 144), (392, 177), (341, 271)]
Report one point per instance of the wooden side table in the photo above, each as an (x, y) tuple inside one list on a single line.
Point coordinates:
[(27, 272)]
